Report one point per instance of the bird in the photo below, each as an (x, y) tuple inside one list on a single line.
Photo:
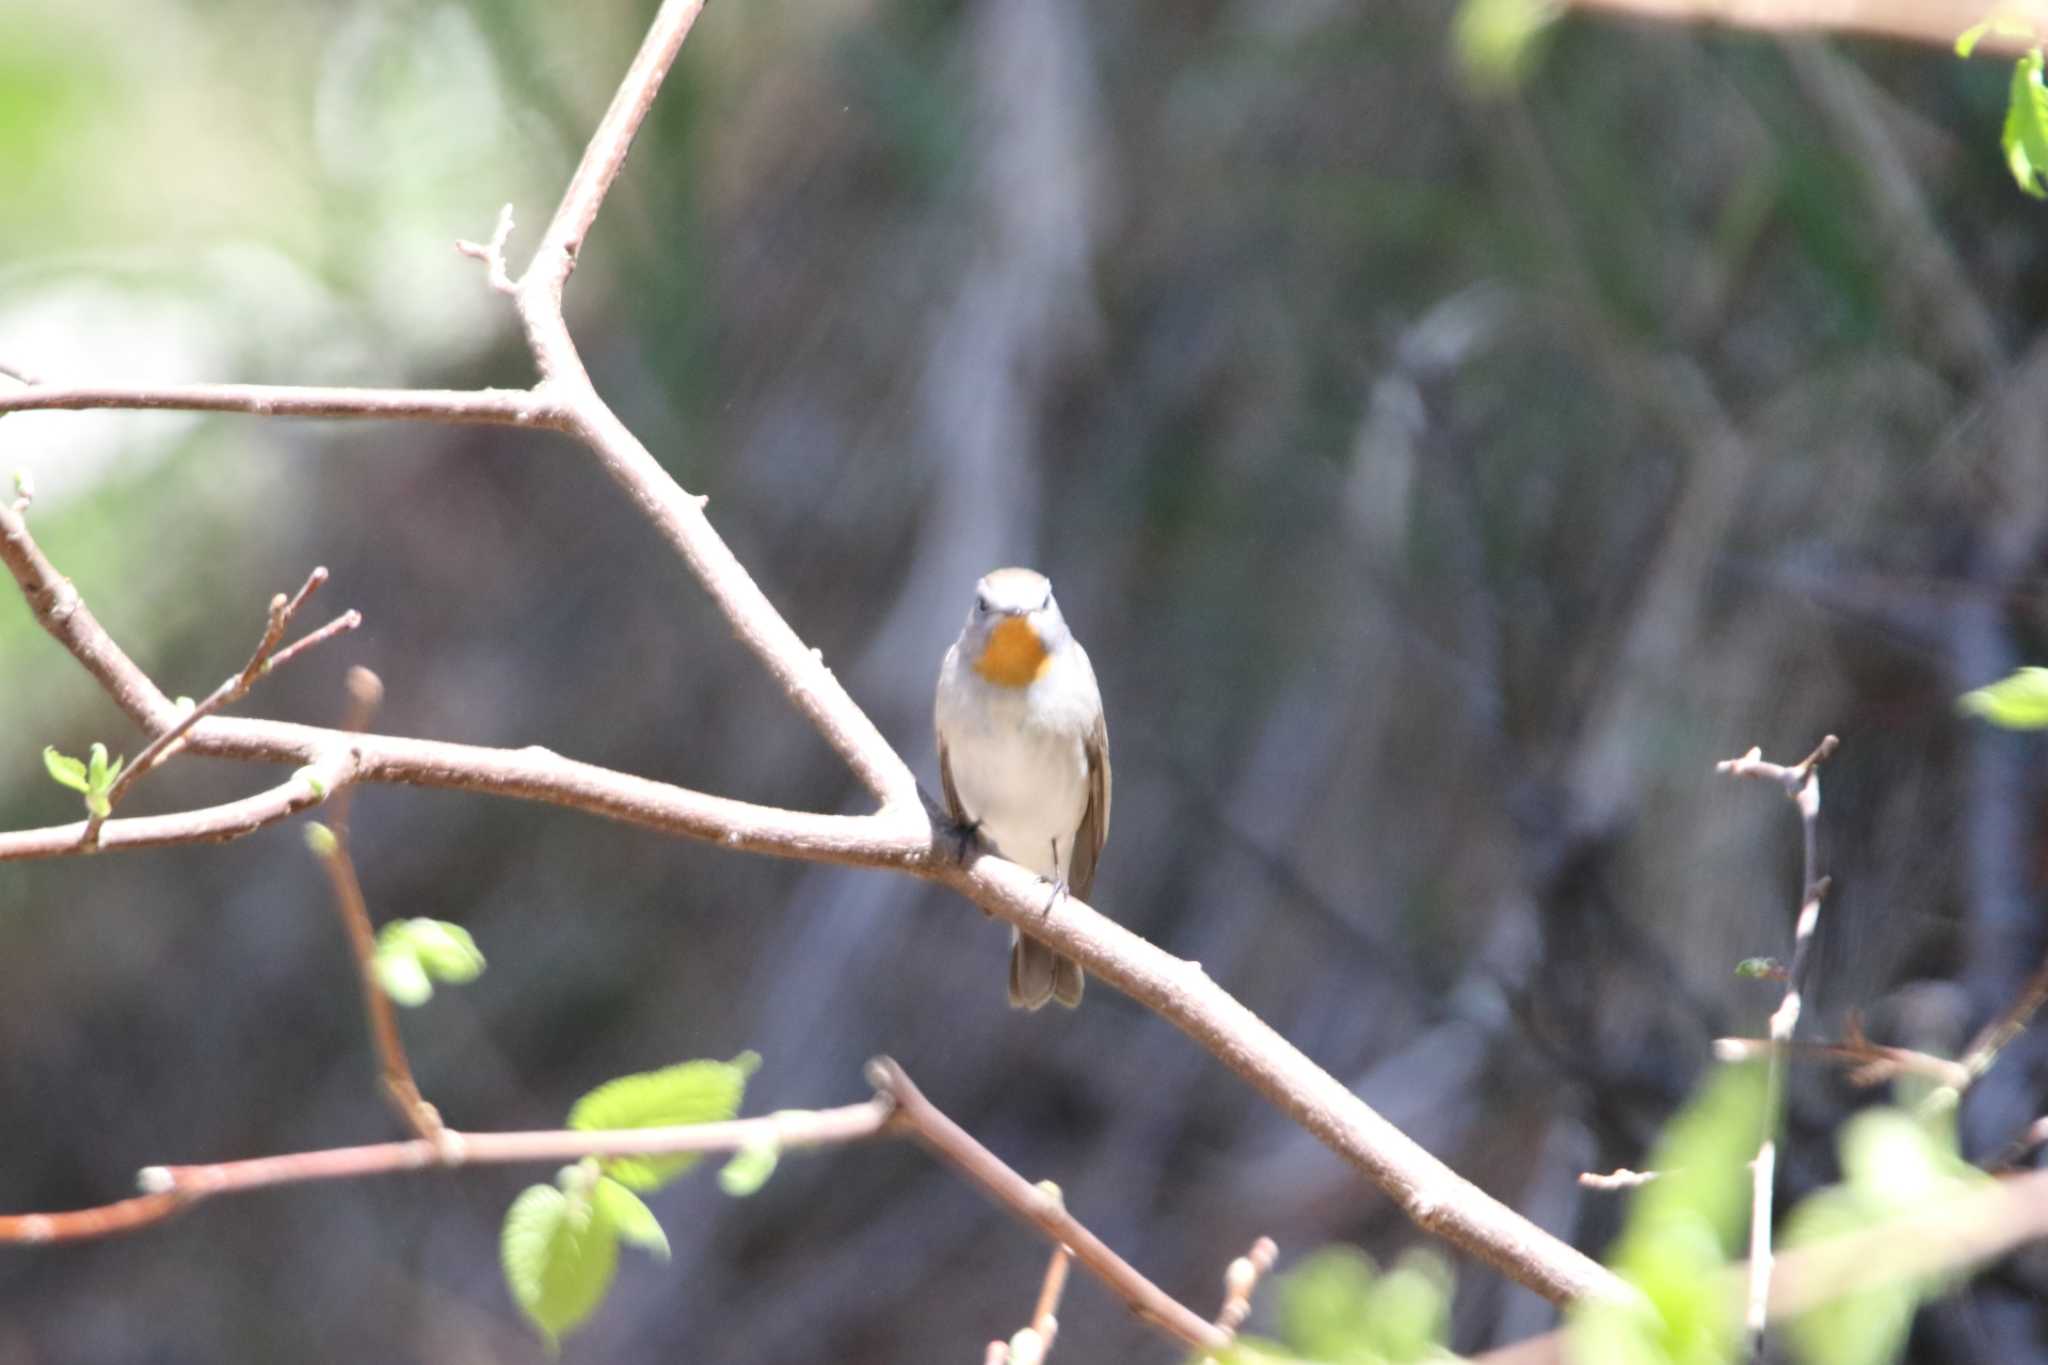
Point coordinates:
[(1024, 756)]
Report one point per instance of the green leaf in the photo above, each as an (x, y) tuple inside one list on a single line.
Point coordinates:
[(412, 954), (559, 1254), (1322, 1304), (2025, 136), (1681, 1231), (1892, 1163), (1496, 41), (2019, 702), (692, 1092), (2004, 25), (446, 950), (1409, 1309), (321, 840), (65, 771), (630, 1217), (749, 1169), (402, 977), (96, 770)]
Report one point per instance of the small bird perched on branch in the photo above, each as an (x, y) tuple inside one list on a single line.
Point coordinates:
[(1024, 755)]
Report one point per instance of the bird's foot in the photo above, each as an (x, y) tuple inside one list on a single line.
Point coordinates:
[(965, 832)]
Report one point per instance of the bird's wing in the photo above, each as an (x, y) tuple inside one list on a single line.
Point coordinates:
[(1094, 830), (953, 806)]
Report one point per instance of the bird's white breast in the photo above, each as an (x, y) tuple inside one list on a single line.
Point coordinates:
[(1019, 756)]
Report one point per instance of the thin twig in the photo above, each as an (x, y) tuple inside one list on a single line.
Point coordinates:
[(605, 154), (486, 407), (1049, 1292), (326, 775), (1801, 783), (1241, 1281), (266, 657), (950, 1143), (1994, 1036), (330, 845), (168, 1189), (1030, 1346), (2016, 1151), (399, 1085), (1870, 1063), (1621, 1178)]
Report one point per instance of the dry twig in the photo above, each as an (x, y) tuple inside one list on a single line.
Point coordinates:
[(1801, 783)]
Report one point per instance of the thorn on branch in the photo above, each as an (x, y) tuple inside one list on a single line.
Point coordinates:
[(492, 253)]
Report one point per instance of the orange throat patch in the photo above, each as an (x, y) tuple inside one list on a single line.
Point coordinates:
[(1015, 656)]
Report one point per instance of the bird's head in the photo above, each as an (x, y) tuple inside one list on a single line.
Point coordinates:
[(1013, 628)]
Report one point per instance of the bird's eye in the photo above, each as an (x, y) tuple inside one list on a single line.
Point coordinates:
[(981, 605), (1047, 603)]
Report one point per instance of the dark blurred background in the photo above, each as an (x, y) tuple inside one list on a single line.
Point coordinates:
[(1442, 473)]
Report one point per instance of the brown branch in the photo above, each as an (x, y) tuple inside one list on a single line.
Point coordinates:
[(83, 1225), (306, 788), (898, 1108), (486, 407), (603, 157), (59, 610), (169, 1189), (330, 846), (1801, 783), (899, 835), (1923, 21), (903, 839), (1870, 1063), (949, 1142)]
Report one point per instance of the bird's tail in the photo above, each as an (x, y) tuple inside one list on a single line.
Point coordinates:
[(1038, 974)]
